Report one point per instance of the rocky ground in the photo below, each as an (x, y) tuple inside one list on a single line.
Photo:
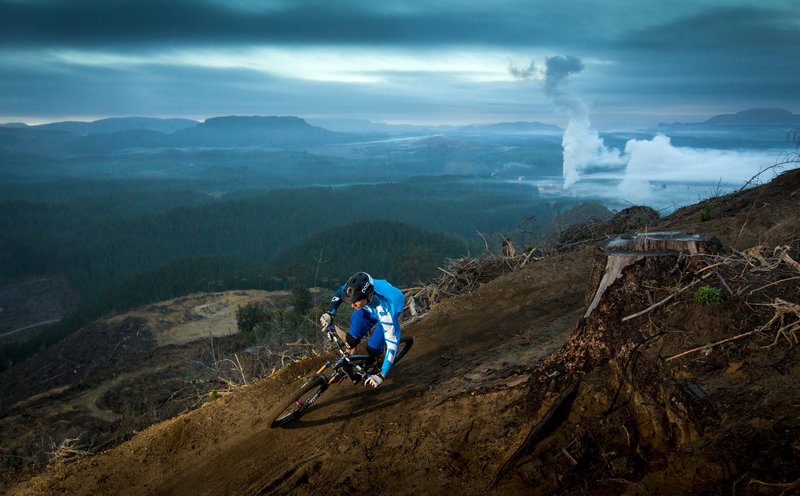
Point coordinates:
[(515, 388)]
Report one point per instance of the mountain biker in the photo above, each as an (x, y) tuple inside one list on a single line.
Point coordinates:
[(374, 301)]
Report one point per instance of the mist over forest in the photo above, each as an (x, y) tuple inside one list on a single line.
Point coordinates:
[(130, 211)]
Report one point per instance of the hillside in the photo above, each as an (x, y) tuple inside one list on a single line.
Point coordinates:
[(763, 116), (751, 128), (488, 365)]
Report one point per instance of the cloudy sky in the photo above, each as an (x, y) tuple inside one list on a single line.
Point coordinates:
[(400, 61)]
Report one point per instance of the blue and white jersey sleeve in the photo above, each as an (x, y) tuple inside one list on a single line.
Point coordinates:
[(336, 300), (391, 336), (390, 301)]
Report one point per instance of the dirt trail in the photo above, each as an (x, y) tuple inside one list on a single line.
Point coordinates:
[(441, 423), (31, 326), (28, 305)]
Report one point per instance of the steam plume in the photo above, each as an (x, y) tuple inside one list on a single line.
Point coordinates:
[(677, 173), (558, 70), (582, 143)]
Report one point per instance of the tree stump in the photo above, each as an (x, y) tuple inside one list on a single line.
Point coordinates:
[(626, 250)]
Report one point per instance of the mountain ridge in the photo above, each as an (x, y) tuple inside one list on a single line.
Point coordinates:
[(115, 135), (749, 117), (117, 124)]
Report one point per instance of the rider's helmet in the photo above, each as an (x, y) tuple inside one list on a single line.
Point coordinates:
[(358, 287)]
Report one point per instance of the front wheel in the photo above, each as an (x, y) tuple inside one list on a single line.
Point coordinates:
[(294, 407)]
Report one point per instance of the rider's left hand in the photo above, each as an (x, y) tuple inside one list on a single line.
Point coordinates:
[(326, 320), (374, 380)]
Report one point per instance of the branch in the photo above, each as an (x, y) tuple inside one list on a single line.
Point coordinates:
[(651, 307), (486, 243), (535, 434), (789, 160), (711, 345)]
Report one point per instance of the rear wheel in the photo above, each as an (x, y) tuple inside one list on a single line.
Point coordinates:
[(294, 407), (373, 365), (402, 347)]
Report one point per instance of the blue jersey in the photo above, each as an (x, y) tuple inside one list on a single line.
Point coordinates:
[(385, 308)]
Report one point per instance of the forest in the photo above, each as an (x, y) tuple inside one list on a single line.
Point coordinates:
[(102, 240), (122, 249)]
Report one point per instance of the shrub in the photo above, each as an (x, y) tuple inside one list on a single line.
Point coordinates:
[(705, 215), (250, 315), (301, 299), (13, 459), (707, 295)]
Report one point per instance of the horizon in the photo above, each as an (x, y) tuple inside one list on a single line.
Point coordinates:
[(311, 118)]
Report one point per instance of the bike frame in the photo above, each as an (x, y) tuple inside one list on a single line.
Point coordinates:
[(355, 367), (350, 366)]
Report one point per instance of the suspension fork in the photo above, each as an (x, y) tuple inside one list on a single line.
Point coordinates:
[(335, 375)]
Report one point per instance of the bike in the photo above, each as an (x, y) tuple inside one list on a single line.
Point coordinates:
[(354, 367)]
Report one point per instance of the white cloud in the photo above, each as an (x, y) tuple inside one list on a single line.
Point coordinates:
[(656, 162), (655, 172), (329, 64)]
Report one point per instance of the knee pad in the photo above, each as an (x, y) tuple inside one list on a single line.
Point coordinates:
[(352, 341), (373, 352)]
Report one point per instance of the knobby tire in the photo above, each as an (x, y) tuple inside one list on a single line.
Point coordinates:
[(402, 347), (293, 408)]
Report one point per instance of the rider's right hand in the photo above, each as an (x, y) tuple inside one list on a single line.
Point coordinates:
[(326, 320)]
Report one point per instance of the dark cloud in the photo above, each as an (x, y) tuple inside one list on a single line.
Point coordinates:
[(743, 31), (89, 23), (640, 56), (733, 45), (732, 58)]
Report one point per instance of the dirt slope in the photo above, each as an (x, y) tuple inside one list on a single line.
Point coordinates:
[(482, 372), (443, 422), (119, 375)]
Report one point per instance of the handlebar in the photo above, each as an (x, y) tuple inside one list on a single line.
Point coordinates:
[(333, 336)]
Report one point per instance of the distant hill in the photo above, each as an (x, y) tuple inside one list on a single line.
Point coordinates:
[(376, 128), (118, 124), (278, 132), (754, 128), (109, 135), (31, 140), (758, 117), (745, 118)]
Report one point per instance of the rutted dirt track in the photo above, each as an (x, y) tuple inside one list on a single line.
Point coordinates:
[(443, 422)]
